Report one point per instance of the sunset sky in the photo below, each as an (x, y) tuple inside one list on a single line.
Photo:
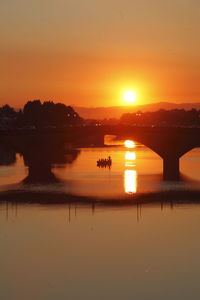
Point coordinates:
[(87, 52)]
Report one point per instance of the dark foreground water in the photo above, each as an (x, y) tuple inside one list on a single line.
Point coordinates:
[(88, 252)]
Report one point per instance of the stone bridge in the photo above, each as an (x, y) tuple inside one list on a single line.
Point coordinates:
[(169, 143)]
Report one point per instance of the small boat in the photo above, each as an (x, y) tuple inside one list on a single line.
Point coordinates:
[(104, 162)]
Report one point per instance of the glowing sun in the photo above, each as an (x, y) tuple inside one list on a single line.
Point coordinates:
[(129, 96)]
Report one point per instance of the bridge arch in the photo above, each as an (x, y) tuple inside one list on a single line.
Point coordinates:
[(190, 164), (169, 143)]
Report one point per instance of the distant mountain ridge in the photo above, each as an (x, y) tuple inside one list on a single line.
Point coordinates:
[(116, 111)]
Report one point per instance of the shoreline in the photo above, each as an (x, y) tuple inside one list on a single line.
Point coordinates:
[(171, 197)]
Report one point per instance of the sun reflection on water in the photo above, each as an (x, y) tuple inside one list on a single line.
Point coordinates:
[(130, 158), (129, 155), (130, 181), (129, 144), (130, 175)]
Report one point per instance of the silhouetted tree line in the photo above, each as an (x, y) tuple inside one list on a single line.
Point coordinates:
[(176, 117), (8, 117), (57, 115), (39, 115)]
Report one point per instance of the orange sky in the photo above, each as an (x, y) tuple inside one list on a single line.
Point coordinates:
[(87, 52)]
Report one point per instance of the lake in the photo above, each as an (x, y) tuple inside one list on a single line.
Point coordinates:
[(75, 251)]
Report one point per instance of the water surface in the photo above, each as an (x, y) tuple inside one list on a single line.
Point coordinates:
[(73, 251), (82, 252), (134, 171)]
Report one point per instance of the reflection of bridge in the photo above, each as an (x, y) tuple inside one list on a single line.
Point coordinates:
[(169, 143), (40, 153)]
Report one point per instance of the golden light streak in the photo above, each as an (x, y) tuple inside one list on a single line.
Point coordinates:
[(129, 155), (130, 181), (129, 144)]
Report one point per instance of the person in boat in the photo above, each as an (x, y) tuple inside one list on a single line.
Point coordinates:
[(103, 162), (109, 161)]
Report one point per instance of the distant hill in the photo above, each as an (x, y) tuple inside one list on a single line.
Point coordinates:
[(116, 111)]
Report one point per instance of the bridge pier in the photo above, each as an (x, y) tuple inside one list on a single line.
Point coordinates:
[(171, 168)]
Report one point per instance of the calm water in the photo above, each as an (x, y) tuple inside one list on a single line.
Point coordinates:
[(52, 252), (133, 171), (81, 252)]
